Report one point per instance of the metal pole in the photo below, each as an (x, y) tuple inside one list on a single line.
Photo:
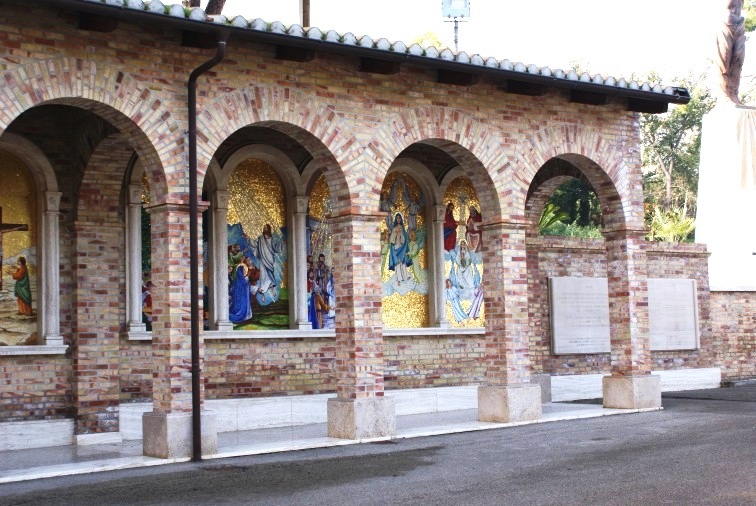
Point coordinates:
[(456, 31), (193, 240)]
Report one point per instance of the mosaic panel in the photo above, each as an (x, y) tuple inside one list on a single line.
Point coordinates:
[(404, 271), (18, 254), (463, 260), (257, 263), (321, 295), (146, 236)]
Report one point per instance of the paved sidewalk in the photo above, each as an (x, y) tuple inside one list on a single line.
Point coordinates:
[(20, 465)]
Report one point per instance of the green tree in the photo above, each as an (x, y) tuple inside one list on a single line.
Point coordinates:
[(671, 225), (579, 201), (551, 214), (749, 12), (671, 148)]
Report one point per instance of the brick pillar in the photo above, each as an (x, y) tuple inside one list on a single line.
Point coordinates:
[(168, 428), (359, 410), (508, 395), (630, 384), (97, 321)]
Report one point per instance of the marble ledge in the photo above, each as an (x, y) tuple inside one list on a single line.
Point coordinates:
[(215, 335), (435, 331), (58, 349), (139, 335), (210, 335), (731, 287)]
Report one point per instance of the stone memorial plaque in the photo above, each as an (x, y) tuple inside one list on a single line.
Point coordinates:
[(579, 315), (673, 314)]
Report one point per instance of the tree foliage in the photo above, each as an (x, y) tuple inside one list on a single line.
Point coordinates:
[(749, 12), (671, 148), (573, 210), (579, 201), (551, 214), (671, 225)]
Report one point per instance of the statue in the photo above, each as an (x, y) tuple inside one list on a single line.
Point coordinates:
[(731, 50)]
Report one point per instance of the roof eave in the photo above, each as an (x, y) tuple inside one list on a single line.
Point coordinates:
[(217, 30)]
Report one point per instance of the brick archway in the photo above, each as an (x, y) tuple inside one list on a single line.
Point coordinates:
[(305, 118), (475, 147), (614, 175), (117, 97)]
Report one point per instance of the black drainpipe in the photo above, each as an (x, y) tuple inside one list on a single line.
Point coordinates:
[(193, 240)]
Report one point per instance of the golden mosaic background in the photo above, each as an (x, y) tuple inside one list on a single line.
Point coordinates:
[(256, 197), (145, 191), (411, 310), (462, 193), (321, 208), (18, 201), (405, 312)]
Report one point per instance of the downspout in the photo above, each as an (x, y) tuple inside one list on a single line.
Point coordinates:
[(193, 243)]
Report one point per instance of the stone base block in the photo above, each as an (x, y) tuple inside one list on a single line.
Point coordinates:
[(508, 403), (361, 418), (632, 392), (169, 435), (543, 381)]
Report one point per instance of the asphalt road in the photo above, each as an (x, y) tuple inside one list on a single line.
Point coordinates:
[(701, 449)]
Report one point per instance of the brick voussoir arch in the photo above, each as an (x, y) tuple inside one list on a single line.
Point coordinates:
[(617, 183), (106, 91), (289, 111), (479, 144)]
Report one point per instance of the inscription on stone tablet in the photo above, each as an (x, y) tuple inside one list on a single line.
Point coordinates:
[(672, 314), (579, 315)]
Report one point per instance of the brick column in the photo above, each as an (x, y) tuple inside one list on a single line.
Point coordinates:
[(630, 384), (508, 395), (168, 428), (359, 410), (97, 325)]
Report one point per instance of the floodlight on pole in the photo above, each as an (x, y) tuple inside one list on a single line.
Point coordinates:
[(455, 9)]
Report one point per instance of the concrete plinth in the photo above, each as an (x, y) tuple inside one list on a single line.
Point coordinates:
[(361, 418), (543, 381), (169, 435), (632, 392), (509, 403)]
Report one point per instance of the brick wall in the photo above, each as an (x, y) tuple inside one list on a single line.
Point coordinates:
[(733, 327), (135, 370), (559, 257), (35, 388), (688, 261), (429, 361), (554, 256), (262, 367)]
